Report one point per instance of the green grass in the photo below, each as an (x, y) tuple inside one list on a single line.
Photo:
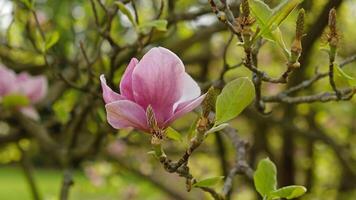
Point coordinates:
[(13, 186)]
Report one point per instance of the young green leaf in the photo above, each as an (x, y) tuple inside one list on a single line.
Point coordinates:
[(208, 182), (279, 14), (343, 78), (51, 40), (15, 100), (171, 133), (265, 177), (217, 128), (234, 98), (288, 192), (126, 12), (159, 24), (263, 13), (282, 11)]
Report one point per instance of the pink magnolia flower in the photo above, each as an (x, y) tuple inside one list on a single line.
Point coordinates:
[(33, 87), (158, 81)]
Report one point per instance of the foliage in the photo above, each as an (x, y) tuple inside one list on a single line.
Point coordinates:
[(265, 179)]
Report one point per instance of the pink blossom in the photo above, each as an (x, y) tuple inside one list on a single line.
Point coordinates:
[(159, 80), (32, 87)]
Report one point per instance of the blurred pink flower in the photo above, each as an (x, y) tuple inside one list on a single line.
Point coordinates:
[(117, 148), (33, 87), (94, 176), (159, 80)]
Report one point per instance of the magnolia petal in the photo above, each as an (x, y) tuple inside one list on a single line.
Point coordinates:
[(7, 81), (126, 81), (157, 81), (191, 90), (125, 113), (108, 94), (30, 112), (34, 87), (184, 108)]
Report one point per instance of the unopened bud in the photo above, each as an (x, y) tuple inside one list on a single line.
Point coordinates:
[(151, 118), (157, 133), (245, 7), (296, 48), (300, 25), (332, 20), (333, 36), (209, 102)]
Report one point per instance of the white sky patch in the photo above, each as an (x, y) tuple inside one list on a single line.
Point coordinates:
[(5, 14), (204, 20)]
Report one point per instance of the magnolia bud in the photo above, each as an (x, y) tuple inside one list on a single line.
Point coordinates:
[(209, 102), (245, 7), (333, 36), (157, 133), (296, 48), (300, 25), (151, 119)]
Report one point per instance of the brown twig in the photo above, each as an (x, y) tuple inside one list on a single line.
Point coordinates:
[(67, 182), (241, 165), (28, 171)]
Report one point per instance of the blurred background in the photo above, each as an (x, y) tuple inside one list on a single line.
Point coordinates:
[(312, 144)]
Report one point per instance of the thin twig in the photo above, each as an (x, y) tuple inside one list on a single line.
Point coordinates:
[(67, 182), (28, 171), (90, 73), (225, 64), (241, 165), (331, 78), (347, 94)]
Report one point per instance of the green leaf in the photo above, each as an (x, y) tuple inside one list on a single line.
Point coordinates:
[(282, 11), (261, 11), (126, 12), (171, 133), (288, 192), (234, 98), (15, 100), (208, 182), (343, 78), (265, 177), (159, 24), (51, 40), (62, 107), (217, 128), (279, 14), (278, 38), (264, 14)]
